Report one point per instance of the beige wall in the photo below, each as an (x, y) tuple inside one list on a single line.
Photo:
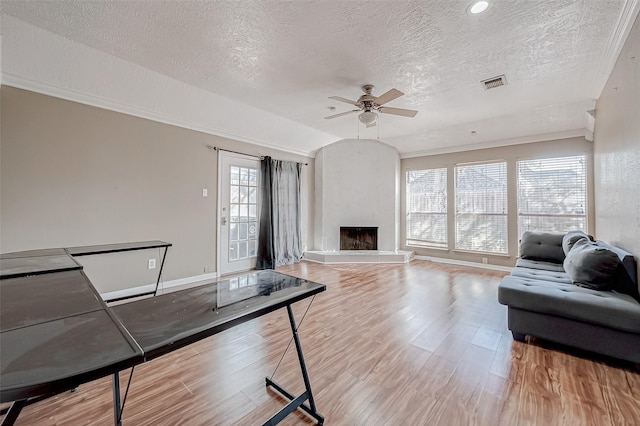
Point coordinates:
[(73, 174), (617, 150), (510, 154)]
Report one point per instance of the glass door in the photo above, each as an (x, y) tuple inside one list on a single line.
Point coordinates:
[(239, 212)]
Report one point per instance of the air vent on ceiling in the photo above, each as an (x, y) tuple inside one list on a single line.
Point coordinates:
[(494, 82)]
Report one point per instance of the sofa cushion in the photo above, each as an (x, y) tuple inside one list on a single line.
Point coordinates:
[(590, 265), (538, 264), (541, 274), (570, 239), (543, 246), (604, 308), (626, 275)]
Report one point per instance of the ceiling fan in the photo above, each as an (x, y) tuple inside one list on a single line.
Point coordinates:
[(370, 104)]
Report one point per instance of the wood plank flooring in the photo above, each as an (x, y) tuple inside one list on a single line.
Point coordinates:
[(415, 344)]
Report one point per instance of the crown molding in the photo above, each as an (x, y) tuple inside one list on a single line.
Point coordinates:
[(19, 82), (499, 143), (628, 14)]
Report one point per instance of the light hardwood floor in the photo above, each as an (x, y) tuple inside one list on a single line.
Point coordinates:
[(416, 344)]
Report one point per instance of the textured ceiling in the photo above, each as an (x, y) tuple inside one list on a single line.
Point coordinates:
[(287, 57)]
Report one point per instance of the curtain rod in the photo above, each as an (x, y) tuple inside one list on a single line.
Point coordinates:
[(215, 148)]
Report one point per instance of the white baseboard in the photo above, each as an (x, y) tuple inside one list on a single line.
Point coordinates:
[(465, 263), (133, 291)]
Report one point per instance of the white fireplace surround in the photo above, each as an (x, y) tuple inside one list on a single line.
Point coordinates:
[(357, 183)]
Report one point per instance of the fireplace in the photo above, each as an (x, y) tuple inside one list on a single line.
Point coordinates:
[(358, 238)]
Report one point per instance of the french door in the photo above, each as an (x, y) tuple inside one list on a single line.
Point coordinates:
[(239, 211)]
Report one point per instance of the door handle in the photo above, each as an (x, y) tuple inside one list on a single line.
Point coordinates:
[(223, 220)]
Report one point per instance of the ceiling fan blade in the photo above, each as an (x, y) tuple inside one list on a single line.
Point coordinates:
[(388, 97), (398, 111), (340, 114), (338, 98)]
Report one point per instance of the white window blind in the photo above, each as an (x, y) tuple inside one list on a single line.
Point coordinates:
[(552, 194), (426, 223), (481, 207)]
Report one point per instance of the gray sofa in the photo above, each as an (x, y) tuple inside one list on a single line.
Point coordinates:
[(582, 293)]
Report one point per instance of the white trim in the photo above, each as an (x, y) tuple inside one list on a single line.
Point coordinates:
[(499, 143), (133, 291), (628, 15), (219, 205), (18, 82), (465, 263)]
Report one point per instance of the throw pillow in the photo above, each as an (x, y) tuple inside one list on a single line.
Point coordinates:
[(542, 246), (591, 266), (625, 279), (570, 239)]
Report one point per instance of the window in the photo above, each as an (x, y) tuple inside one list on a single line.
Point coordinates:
[(552, 194), (243, 226), (427, 208), (481, 207)]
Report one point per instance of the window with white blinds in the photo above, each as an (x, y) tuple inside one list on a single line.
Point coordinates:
[(426, 223), (552, 194), (481, 207)]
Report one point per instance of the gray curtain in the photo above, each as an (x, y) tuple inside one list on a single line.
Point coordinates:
[(279, 240)]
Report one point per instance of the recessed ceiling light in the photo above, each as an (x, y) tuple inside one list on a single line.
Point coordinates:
[(478, 7)]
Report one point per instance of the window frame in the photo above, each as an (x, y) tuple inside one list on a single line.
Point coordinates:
[(584, 196), (416, 242), (504, 214)]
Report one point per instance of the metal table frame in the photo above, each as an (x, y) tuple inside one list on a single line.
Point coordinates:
[(119, 248), (304, 401), (294, 403)]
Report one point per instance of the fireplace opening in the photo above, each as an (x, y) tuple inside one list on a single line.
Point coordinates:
[(358, 238)]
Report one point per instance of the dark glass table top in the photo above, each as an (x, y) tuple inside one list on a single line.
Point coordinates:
[(26, 301), (164, 323), (58, 355), (56, 333), (42, 261), (17, 265), (33, 253)]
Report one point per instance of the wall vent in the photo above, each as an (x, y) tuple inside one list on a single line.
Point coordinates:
[(494, 82)]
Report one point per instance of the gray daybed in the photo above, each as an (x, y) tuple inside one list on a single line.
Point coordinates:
[(569, 289)]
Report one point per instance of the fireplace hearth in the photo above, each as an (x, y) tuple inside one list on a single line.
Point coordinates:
[(358, 238)]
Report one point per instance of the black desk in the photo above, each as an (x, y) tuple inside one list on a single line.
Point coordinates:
[(21, 264), (57, 333), (32, 262)]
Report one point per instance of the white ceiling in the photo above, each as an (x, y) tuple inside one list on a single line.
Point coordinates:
[(288, 57)]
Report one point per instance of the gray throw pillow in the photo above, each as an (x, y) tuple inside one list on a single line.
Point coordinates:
[(543, 246), (625, 280), (570, 239), (591, 266)]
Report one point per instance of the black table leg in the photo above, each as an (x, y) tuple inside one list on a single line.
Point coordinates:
[(295, 402), (118, 403), (14, 412), (117, 406), (164, 256)]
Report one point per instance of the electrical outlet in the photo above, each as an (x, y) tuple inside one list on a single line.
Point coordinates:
[(152, 264), (485, 260), (205, 192)]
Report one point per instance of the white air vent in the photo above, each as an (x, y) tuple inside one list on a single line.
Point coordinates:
[(494, 82)]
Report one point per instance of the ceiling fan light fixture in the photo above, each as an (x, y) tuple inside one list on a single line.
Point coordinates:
[(368, 117), (478, 7)]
